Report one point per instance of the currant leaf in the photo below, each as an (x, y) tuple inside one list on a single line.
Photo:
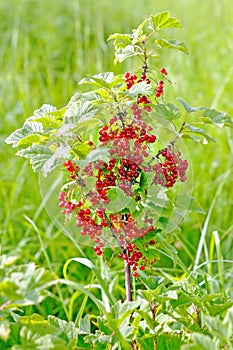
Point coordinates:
[(163, 20), (172, 44)]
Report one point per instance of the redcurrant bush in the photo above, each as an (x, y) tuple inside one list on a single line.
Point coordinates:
[(126, 178)]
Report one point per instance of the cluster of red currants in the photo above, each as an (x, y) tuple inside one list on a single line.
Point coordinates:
[(171, 169), (67, 206), (159, 89), (128, 140), (72, 168), (129, 132), (133, 79)]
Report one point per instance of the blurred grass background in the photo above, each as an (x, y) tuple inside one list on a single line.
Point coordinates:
[(46, 47)]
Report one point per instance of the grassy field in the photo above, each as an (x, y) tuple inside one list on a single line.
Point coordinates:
[(46, 47)]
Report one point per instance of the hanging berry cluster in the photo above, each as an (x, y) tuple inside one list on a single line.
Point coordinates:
[(133, 152)]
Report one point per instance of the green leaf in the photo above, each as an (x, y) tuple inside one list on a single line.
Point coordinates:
[(81, 149), (67, 327), (121, 40), (118, 200), (132, 205), (80, 111), (129, 51), (42, 158), (9, 289), (168, 342), (86, 96), (195, 206), (43, 110), (188, 108), (98, 154), (141, 88), (5, 330), (199, 131), (38, 155), (147, 342), (143, 184), (217, 327), (228, 320), (7, 260), (58, 157), (138, 32), (87, 125), (183, 299), (152, 282), (172, 44), (28, 129), (201, 342), (167, 111), (157, 196), (49, 117), (163, 20), (218, 309), (29, 339), (100, 80), (48, 121), (85, 325), (220, 119), (33, 319), (25, 284), (29, 140)]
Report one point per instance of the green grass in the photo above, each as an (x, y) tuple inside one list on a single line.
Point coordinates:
[(46, 47)]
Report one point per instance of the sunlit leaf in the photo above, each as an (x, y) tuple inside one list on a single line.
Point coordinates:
[(5, 330), (43, 110), (172, 44), (67, 327), (121, 40), (126, 52), (188, 108), (79, 111), (28, 140), (167, 111), (57, 158), (81, 149), (98, 154), (215, 117), (101, 80), (163, 20), (85, 325), (118, 200), (38, 155), (201, 342), (199, 131), (29, 128), (140, 88)]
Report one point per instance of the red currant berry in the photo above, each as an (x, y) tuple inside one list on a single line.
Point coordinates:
[(163, 71)]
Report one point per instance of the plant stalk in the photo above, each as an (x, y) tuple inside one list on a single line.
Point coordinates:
[(128, 282)]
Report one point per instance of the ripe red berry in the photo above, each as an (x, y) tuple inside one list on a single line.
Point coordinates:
[(141, 267), (135, 274), (163, 71)]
